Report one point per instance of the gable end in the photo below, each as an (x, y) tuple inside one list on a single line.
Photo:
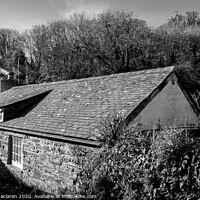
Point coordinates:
[(173, 79)]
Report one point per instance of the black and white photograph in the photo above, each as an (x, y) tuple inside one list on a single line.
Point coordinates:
[(100, 99)]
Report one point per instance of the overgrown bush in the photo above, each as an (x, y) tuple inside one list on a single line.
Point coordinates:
[(132, 164)]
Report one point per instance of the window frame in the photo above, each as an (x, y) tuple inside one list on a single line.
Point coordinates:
[(1, 115), (13, 147)]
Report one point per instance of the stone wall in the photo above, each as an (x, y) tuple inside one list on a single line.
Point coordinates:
[(3, 154), (49, 165)]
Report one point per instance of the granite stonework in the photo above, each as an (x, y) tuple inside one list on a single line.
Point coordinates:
[(48, 165)]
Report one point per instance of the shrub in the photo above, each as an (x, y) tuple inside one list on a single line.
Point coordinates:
[(177, 165), (132, 164)]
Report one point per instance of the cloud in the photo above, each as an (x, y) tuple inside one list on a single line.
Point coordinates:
[(89, 6), (22, 14), (19, 25)]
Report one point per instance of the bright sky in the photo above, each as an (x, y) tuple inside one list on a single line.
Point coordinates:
[(22, 14)]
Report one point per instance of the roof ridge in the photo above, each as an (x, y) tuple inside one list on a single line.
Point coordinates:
[(93, 77)]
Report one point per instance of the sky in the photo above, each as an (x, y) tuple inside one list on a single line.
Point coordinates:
[(23, 14)]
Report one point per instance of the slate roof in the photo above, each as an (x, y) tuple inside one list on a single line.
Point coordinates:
[(73, 108)]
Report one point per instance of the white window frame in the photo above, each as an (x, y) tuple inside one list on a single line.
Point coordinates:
[(17, 151), (1, 115)]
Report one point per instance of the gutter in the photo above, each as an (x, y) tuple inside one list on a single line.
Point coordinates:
[(55, 137)]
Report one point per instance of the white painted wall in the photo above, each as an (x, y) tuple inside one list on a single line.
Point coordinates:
[(169, 107)]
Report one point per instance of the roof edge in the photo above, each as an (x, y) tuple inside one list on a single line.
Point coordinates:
[(133, 114), (57, 137), (188, 96)]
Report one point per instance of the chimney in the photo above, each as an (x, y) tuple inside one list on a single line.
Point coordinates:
[(11, 76), (6, 84)]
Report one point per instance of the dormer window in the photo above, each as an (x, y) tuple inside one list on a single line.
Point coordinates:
[(1, 115)]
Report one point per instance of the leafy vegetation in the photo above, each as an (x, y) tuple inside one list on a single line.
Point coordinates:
[(136, 165), (107, 43)]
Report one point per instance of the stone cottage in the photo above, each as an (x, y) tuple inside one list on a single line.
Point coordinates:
[(41, 123)]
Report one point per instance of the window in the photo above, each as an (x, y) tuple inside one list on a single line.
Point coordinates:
[(15, 151), (1, 115)]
